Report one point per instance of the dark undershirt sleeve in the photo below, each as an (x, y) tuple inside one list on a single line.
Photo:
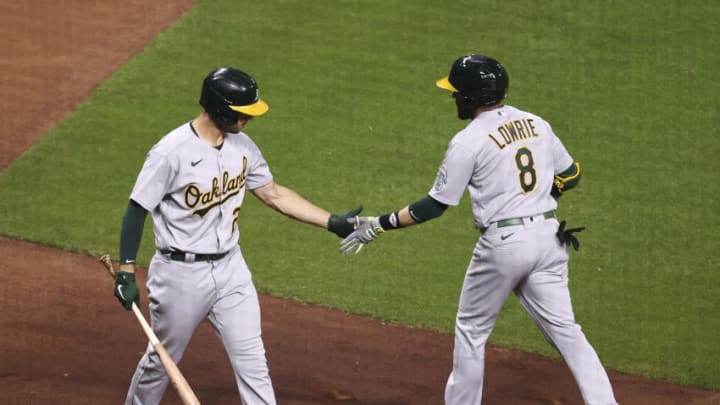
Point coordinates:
[(131, 232), (426, 208)]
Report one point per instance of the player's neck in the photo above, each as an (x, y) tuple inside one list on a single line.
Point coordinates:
[(207, 131)]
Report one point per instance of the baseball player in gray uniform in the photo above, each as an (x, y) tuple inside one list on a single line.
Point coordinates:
[(514, 168), (193, 182)]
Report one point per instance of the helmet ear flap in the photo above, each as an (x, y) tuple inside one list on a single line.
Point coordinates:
[(466, 106), (463, 98), (214, 103)]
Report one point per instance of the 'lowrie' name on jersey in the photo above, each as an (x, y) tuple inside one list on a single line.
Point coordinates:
[(514, 131)]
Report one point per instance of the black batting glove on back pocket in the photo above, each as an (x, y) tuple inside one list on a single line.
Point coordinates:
[(566, 237)]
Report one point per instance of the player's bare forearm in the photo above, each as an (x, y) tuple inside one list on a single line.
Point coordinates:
[(404, 217), (128, 268), (291, 204)]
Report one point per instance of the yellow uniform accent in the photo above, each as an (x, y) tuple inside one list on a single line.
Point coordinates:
[(568, 179)]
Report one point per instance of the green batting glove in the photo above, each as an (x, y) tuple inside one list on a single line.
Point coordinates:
[(366, 230), (339, 225), (126, 290)]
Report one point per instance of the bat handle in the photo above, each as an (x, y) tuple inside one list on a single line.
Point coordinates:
[(105, 259)]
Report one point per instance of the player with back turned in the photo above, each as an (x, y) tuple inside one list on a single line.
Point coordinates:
[(514, 168), (193, 182)]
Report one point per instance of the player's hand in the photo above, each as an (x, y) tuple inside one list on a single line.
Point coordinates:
[(566, 237), (366, 230), (126, 290), (339, 225)]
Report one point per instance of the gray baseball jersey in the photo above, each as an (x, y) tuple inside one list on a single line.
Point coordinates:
[(505, 143), (194, 192), (517, 251)]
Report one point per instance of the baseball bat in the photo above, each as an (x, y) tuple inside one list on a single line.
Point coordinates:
[(176, 378)]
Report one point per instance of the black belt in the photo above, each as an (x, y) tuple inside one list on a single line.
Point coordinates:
[(192, 257), (519, 221)]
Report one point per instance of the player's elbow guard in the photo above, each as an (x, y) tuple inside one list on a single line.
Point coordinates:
[(566, 180)]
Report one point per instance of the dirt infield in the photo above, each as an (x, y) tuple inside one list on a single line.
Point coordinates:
[(65, 340)]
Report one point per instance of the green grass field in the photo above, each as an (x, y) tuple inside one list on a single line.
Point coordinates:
[(631, 88)]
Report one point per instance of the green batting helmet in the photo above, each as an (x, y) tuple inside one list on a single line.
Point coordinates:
[(227, 93), (476, 81)]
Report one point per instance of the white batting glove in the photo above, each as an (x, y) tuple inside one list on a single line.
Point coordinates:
[(366, 230)]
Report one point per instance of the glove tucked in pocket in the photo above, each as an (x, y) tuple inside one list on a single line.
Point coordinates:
[(566, 237)]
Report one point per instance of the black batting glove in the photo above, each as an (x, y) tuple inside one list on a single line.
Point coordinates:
[(339, 225), (126, 290), (566, 237)]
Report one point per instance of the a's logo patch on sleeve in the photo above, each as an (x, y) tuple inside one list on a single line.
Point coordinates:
[(440, 180)]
